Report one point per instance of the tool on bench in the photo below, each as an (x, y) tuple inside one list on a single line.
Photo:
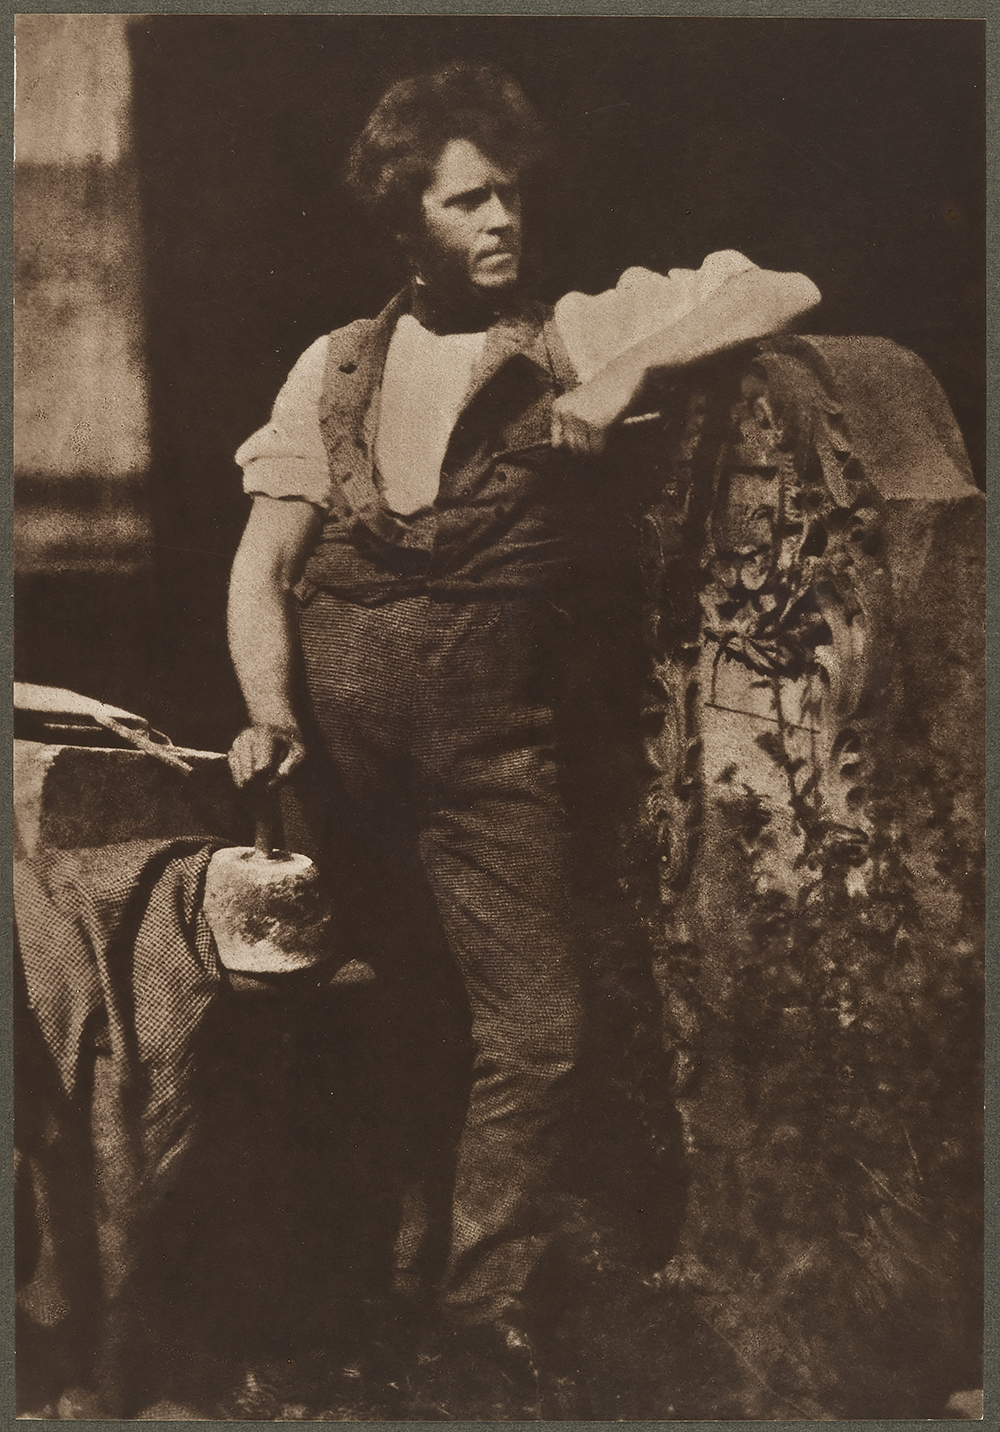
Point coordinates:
[(59, 717)]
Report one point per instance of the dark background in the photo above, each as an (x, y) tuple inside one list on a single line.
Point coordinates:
[(853, 151)]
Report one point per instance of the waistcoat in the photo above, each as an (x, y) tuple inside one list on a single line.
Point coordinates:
[(498, 524)]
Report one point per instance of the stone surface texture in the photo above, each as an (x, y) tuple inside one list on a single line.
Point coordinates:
[(815, 813), (68, 796)]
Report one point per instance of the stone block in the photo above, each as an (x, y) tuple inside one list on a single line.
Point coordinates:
[(68, 796)]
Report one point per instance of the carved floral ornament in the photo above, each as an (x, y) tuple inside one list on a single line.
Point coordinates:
[(770, 521)]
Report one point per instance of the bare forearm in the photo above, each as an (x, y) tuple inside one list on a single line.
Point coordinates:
[(261, 642), (750, 305), (262, 637)]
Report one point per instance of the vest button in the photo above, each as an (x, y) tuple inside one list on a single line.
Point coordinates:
[(348, 367)]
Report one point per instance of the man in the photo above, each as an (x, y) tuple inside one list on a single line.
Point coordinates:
[(410, 531)]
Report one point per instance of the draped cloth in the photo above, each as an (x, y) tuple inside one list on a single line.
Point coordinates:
[(116, 972)]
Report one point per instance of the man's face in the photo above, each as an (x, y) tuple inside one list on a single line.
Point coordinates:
[(472, 222)]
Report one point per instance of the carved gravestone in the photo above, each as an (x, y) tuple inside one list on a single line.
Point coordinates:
[(814, 579)]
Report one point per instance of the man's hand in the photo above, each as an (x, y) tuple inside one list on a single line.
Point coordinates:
[(263, 750), (583, 418)]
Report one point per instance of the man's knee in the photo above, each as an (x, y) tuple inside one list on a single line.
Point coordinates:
[(543, 1048)]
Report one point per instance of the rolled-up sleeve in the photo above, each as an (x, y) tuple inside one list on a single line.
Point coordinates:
[(287, 457), (596, 329)]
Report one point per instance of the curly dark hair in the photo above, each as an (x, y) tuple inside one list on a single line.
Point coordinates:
[(393, 158)]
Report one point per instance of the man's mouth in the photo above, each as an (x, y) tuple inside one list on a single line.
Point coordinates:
[(499, 261)]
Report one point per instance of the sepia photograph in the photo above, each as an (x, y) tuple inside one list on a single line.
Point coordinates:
[(499, 718)]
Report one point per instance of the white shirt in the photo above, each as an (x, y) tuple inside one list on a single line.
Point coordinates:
[(424, 383), (427, 376)]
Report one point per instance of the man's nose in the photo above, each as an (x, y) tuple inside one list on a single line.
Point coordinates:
[(498, 214)]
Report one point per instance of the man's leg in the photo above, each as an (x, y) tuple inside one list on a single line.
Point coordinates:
[(494, 846), (433, 711), (497, 872), (362, 665)]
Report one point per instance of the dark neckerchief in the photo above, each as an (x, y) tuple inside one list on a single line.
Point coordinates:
[(459, 312)]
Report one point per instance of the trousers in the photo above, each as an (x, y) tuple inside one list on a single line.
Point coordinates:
[(439, 722)]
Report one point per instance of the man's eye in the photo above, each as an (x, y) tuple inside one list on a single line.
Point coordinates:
[(471, 200)]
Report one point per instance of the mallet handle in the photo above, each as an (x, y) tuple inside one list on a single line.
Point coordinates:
[(266, 817)]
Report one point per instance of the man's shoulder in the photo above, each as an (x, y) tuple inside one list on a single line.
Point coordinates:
[(363, 324), (340, 340), (343, 349), (352, 336)]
